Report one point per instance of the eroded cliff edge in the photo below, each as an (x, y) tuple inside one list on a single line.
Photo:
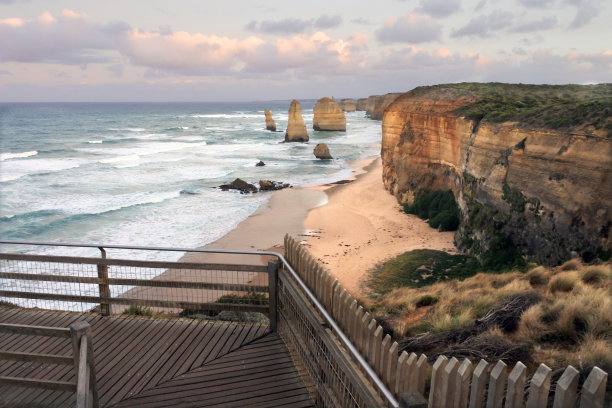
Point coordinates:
[(546, 191)]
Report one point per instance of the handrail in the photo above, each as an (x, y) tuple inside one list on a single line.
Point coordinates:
[(320, 308)]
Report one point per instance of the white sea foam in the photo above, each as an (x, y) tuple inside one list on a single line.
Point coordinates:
[(16, 169), (9, 156), (94, 141)]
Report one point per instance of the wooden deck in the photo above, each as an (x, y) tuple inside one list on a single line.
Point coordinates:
[(159, 363)]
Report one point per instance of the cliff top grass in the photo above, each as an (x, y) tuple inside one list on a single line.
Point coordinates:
[(557, 316), (580, 107)]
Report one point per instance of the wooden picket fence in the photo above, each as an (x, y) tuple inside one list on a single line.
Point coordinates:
[(450, 382)]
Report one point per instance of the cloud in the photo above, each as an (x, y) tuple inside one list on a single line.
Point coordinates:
[(485, 25), (537, 3), (326, 22), (586, 10), (294, 25), (412, 28), (439, 8), (546, 23), (361, 21), (68, 38)]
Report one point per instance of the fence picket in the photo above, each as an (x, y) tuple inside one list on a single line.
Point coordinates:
[(421, 373), (363, 333), (384, 351), (539, 387), (356, 326), (368, 340), (567, 388), (449, 382), (479, 384), (594, 389), (462, 384), (497, 383), (401, 374), (516, 386), (375, 347), (436, 398), (349, 317), (391, 370)]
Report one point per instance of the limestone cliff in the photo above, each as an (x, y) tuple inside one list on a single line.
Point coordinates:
[(328, 116), (270, 124), (547, 191), (375, 105), (348, 105), (296, 129)]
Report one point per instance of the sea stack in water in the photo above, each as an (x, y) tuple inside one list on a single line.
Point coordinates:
[(321, 151), (296, 130), (270, 125), (328, 115)]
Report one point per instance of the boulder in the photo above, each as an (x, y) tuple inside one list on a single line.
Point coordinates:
[(328, 116), (240, 185), (348, 105), (270, 124), (296, 130), (321, 151), (270, 185), (260, 164)]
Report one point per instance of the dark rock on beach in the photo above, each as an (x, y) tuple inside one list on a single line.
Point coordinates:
[(260, 164), (270, 185), (240, 185)]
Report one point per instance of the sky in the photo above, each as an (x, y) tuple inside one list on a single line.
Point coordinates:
[(230, 50)]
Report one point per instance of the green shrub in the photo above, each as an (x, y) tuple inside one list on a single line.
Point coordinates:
[(136, 310), (438, 207), (426, 300)]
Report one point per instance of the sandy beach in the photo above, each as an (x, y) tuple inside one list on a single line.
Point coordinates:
[(349, 226)]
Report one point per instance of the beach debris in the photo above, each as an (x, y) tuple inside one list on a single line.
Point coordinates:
[(296, 129), (270, 124), (240, 185), (328, 116), (271, 185), (321, 151), (260, 164)]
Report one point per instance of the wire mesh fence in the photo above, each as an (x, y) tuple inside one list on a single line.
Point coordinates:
[(111, 286), (332, 379)]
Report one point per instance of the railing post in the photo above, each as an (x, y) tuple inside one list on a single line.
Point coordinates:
[(272, 285), (104, 288)]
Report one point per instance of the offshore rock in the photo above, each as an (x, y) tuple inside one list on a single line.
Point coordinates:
[(271, 185), (260, 164), (270, 124), (296, 130), (348, 105), (239, 185), (321, 151), (548, 191), (328, 116)]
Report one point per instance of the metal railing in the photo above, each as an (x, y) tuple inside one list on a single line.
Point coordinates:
[(337, 375)]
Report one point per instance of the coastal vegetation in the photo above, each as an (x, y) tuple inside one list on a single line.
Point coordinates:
[(553, 315), (544, 106), (135, 310), (439, 208)]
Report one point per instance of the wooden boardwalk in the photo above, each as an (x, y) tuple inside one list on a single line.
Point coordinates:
[(159, 363)]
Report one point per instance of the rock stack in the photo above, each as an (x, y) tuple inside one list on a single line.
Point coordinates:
[(328, 115), (348, 105), (296, 130), (321, 151), (270, 125)]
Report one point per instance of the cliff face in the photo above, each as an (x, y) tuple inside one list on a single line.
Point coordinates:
[(549, 192), (375, 105), (348, 105)]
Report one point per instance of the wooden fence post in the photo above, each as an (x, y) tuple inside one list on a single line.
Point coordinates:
[(479, 384), (594, 389), (539, 387), (409, 374), (436, 398), (567, 388), (449, 382), (462, 385), (497, 383), (103, 286), (391, 369), (516, 386), (375, 346), (384, 351), (272, 293), (421, 373)]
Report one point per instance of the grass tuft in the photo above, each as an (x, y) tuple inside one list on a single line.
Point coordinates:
[(595, 275), (135, 310), (564, 282)]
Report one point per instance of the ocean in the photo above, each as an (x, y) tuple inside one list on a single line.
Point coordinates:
[(146, 174)]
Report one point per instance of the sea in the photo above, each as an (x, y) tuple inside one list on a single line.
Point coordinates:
[(147, 174)]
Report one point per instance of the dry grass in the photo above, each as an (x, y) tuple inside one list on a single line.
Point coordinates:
[(572, 324)]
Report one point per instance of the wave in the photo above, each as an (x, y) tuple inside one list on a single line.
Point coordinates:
[(235, 115), (94, 141), (9, 156), (16, 169)]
